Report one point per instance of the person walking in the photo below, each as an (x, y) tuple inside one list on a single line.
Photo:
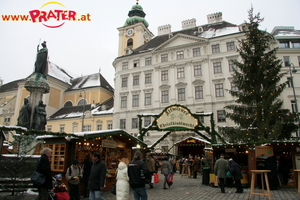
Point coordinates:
[(43, 166), (151, 167), (220, 169), (138, 173), (196, 166), (97, 177), (165, 170), (122, 187), (236, 174), (86, 171), (73, 175)]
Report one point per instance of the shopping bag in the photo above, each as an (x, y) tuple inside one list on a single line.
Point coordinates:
[(170, 178), (156, 178), (152, 179), (38, 179)]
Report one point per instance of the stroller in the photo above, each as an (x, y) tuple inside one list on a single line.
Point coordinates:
[(59, 191)]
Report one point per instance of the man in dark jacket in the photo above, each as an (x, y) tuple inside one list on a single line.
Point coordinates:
[(97, 177), (236, 175), (43, 166), (138, 174)]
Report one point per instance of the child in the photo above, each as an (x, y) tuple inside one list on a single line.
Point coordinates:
[(60, 189)]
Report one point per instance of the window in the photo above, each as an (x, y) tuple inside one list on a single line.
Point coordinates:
[(164, 58), (148, 61), (147, 121), (296, 45), (181, 94), (122, 123), (232, 66), (135, 100), (286, 60), (234, 87), (148, 78), (196, 52), (130, 42), (180, 72), (201, 118), (136, 63), (82, 102), (147, 98), (124, 65), (134, 124), (6, 119), (164, 75), (109, 125), (215, 48), (99, 127), (87, 128), (124, 102), (293, 105), (284, 45), (199, 92), (217, 67), (289, 83), (299, 60), (68, 104), (136, 80), (49, 128), (179, 55), (197, 70), (165, 96), (75, 127), (164, 148), (219, 90), (230, 46), (124, 81), (61, 128), (221, 115)]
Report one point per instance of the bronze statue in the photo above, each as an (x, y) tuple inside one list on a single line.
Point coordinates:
[(24, 115), (39, 118), (41, 60)]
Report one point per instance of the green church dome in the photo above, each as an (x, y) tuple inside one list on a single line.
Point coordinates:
[(136, 15)]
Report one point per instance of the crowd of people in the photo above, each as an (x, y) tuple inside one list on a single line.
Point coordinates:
[(135, 174)]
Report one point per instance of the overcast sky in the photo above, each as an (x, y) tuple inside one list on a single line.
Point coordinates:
[(82, 47)]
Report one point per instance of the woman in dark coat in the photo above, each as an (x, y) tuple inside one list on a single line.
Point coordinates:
[(43, 166), (236, 174)]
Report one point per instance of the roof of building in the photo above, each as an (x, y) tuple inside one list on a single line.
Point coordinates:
[(76, 111), (88, 81), (11, 86), (59, 73), (209, 31)]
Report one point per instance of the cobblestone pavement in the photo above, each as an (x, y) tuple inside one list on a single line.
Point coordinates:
[(185, 188)]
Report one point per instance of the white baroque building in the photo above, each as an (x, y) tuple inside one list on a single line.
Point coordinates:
[(191, 67)]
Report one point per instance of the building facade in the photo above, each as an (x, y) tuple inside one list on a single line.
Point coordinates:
[(192, 67)]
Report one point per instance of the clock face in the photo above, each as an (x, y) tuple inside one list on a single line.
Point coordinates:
[(146, 35), (129, 32)]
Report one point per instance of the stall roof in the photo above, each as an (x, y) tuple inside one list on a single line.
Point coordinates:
[(95, 134), (192, 138)]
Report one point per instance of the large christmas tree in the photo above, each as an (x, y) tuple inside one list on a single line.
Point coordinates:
[(257, 110)]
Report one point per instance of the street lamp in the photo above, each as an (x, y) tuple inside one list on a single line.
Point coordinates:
[(83, 109), (292, 84)]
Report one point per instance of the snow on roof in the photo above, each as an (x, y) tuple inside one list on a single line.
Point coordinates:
[(212, 32), (102, 112), (69, 115), (60, 74), (195, 138)]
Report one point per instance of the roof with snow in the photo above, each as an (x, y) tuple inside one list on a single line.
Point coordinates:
[(11, 86), (59, 73), (191, 139), (209, 31), (106, 108), (88, 81)]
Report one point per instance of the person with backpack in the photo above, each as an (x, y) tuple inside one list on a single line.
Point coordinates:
[(73, 175)]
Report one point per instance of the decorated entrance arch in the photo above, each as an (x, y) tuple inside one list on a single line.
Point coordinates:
[(176, 118)]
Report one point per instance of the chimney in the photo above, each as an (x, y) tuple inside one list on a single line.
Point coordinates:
[(214, 18), (190, 23), (165, 29)]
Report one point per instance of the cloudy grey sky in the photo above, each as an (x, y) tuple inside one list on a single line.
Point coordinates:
[(82, 47)]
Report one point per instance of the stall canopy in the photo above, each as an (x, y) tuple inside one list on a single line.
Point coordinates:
[(191, 141)]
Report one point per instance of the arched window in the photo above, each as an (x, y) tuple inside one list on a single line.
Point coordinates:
[(68, 104), (82, 102), (130, 42)]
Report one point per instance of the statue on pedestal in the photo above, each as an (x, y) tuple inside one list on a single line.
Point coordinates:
[(39, 117), (24, 115), (41, 60)]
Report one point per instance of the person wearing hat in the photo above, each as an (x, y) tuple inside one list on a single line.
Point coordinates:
[(236, 174), (60, 189), (73, 175)]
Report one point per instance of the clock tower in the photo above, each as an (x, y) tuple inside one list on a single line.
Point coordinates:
[(135, 31)]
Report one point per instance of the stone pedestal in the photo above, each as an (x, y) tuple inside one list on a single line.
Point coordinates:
[(37, 85)]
